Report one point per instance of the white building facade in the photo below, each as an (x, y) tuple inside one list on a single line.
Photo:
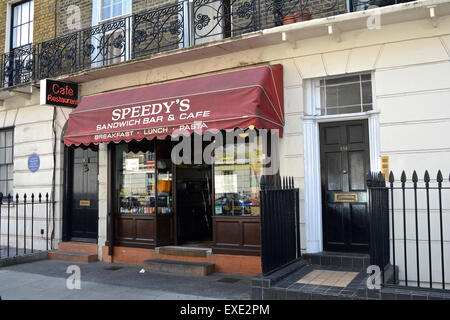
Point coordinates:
[(377, 79)]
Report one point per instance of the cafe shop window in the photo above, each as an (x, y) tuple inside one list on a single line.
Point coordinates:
[(143, 178), (238, 169), (343, 94), (6, 161)]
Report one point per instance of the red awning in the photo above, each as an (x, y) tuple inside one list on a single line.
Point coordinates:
[(223, 101)]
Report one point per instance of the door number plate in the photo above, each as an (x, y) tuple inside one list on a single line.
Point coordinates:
[(345, 197), (85, 203)]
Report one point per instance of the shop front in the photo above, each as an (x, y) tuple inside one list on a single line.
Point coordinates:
[(185, 160)]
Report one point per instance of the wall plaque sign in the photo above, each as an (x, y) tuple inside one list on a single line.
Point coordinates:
[(34, 162)]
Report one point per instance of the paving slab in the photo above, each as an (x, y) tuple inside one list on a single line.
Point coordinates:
[(46, 279)]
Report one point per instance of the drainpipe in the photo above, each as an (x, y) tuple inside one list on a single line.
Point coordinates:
[(53, 177)]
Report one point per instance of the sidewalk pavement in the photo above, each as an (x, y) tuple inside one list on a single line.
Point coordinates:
[(46, 279)]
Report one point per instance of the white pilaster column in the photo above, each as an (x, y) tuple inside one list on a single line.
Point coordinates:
[(313, 198), (374, 142), (102, 196)]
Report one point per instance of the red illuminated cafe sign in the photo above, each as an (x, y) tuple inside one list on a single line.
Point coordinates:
[(59, 93)]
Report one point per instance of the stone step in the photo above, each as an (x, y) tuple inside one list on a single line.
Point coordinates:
[(184, 251), (338, 259), (179, 267), (72, 256), (74, 246)]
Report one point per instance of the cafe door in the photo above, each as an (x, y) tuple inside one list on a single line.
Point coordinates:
[(344, 163), (83, 194)]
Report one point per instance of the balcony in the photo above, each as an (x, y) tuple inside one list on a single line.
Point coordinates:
[(173, 26)]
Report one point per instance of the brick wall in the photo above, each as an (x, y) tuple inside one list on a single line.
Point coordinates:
[(45, 26), (2, 24), (63, 14), (44, 21)]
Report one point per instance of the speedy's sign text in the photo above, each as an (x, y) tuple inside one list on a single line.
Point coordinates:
[(167, 111)]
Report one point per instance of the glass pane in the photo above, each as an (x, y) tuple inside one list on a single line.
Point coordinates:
[(31, 11), (31, 32), (9, 188), (2, 155), (8, 155), (117, 9), (367, 107), (15, 35), (367, 92), (322, 101), (344, 95), (3, 187), (105, 13), (24, 35), (237, 185), (136, 177), (164, 167), (126, 6), (3, 172), (17, 15), (9, 138), (10, 171), (366, 77), (342, 80), (2, 139), (25, 12)]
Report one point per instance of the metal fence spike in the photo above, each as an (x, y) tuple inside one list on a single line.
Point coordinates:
[(403, 177), (391, 177), (414, 177), (439, 176), (426, 177)]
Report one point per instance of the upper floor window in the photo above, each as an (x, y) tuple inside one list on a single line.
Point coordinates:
[(344, 94), (22, 24), (113, 8)]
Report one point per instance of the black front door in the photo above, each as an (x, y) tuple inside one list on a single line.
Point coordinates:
[(194, 209), (344, 158), (83, 201)]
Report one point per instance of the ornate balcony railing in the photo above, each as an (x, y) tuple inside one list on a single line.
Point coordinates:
[(175, 25)]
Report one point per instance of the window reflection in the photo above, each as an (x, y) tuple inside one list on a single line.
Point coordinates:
[(237, 175)]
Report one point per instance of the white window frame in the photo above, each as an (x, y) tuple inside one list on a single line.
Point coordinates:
[(6, 164), (8, 31), (127, 6), (321, 105), (126, 10)]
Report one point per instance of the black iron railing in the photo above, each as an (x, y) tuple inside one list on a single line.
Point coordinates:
[(174, 25), (411, 214), (24, 221), (280, 228)]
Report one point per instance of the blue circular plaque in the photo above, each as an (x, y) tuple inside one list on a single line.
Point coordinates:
[(34, 162)]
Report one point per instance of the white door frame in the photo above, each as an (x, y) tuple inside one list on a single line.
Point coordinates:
[(311, 151)]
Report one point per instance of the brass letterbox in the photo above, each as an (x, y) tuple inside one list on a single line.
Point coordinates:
[(345, 197)]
